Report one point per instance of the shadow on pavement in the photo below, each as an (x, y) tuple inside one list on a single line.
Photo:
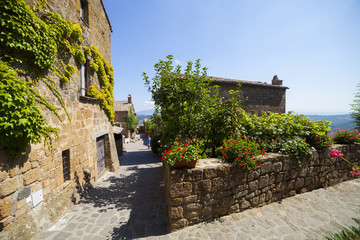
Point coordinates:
[(142, 192)]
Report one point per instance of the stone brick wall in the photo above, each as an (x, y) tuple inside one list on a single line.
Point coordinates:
[(214, 189), (257, 97), (33, 192)]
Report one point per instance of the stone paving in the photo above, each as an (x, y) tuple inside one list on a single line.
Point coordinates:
[(130, 204)]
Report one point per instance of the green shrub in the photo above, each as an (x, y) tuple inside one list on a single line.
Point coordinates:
[(348, 233), (155, 144), (297, 146)]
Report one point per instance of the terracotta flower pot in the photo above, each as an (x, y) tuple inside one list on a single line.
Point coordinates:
[(184, 164)]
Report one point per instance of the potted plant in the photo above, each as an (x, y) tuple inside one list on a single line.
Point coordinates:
[(181, 154)]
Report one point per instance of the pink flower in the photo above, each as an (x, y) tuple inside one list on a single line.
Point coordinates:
[(336, 153), (355, 172)]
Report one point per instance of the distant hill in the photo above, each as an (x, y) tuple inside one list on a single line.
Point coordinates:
[(337, 121), (146, 112), (141, 118)]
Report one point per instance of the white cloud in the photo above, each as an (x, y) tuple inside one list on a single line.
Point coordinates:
[(149, 103), (177, 62)]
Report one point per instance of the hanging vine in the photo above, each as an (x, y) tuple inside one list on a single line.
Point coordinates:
[(34, 42), (104, 71)]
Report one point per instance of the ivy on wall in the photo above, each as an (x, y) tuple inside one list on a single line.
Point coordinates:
[(21, 121), (105, 75), (35, 42)]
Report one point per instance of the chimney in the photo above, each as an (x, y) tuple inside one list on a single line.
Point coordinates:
[(276, 81), (129, 98)]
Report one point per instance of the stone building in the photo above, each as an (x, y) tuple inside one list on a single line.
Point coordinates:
[(122, 110), (37, 188), (258, 97)]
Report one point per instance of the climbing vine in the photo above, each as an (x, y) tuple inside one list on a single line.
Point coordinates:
[(21, 121), (104, 71), (35, 42)]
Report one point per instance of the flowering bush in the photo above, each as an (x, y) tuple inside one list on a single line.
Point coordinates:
[(346, 136), (355, 170), (320, 141), (242, 152), (178, 151)]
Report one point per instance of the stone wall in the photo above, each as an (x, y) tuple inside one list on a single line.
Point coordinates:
[(33, 192), (214, 189), (257, 97)]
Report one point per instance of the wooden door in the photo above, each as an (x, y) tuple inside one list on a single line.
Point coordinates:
[(100, 154)]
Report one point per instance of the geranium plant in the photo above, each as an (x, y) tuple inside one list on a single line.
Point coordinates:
[(346, 136), (244, 152), (355, 170), (181, 150)]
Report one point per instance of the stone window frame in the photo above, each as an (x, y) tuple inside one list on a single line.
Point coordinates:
[(84, 79), (84, 11), (65, 160)]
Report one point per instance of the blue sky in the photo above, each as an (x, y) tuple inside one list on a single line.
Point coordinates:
[(313, 46)]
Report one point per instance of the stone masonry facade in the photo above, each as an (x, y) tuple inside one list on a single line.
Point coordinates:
[(214, 189), (257, 97), (33, 191), (122, 110)]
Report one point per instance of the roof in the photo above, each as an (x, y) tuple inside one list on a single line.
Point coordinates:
[(102, 4), (117, 130), (122, 106), (217, 80), (245, 82)]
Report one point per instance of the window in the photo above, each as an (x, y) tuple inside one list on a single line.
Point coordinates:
[(84, 10), (83, 79), (66, 164)]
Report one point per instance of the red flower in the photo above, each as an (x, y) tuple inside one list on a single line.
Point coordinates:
[(178, 149), (241, 164), (185, 145), (182, 156), (183, 151)]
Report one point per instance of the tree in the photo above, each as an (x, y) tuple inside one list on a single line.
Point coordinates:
[(188, 105), (355, 107), (150, 125), (182, 100), (131, 121)]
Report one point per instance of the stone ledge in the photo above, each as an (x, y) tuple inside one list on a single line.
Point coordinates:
[(87, 99)]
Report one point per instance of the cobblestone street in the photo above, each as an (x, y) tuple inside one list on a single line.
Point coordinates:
[(130, 204)]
